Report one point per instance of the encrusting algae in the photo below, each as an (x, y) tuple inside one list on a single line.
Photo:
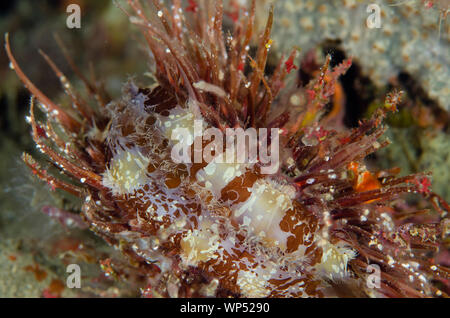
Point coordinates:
[(213, 229)]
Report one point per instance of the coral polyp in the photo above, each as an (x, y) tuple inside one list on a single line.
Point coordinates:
[(208, 228)]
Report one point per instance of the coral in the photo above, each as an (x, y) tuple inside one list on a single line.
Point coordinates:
[(228, 229), (422, 150), (436, 157)]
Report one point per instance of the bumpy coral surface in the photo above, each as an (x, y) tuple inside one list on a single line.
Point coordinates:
[(312, 228)]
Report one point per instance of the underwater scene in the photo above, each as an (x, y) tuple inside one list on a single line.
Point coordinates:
[(225, 149)]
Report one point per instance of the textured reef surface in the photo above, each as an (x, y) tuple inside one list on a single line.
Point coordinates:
[(207, 228)]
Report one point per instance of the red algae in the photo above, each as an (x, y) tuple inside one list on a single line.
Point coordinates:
[(54, 290), (38, 272)]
